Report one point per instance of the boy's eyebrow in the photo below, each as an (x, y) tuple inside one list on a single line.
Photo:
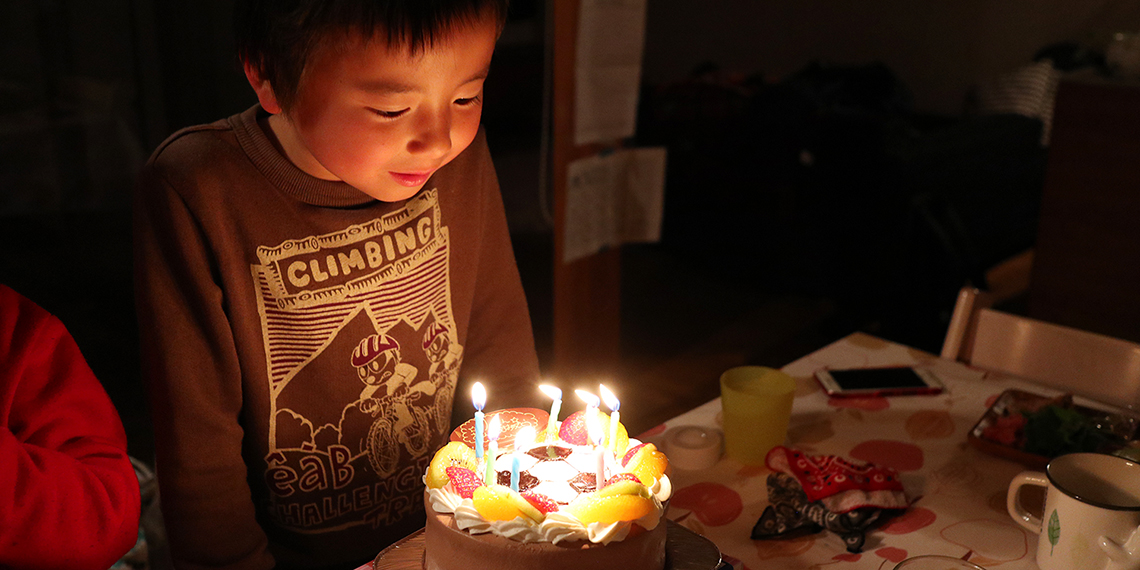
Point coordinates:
[(482, 74), (395, 87), (386, 87)]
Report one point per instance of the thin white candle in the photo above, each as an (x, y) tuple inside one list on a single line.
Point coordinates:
[(594, 431), (600, 477), (592, 403), (524, 439), (494, 427), (478, 399), (555, 407), (615, 416)]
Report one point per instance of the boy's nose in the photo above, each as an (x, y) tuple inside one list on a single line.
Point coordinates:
[(432, 136)]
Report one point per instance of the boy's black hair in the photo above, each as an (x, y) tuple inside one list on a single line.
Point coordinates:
[(277, 37)]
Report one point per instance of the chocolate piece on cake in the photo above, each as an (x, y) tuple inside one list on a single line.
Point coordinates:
[(526, 480), (584, 482), (550, 452)]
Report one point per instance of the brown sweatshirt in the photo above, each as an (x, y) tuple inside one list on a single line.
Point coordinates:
[(303, 344)]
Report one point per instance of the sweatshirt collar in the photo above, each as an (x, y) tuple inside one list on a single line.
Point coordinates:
[(284, 174)]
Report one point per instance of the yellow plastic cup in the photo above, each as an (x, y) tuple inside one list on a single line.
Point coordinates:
[(757, 404)]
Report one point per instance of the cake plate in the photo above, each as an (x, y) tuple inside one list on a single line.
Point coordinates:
[(684, 550)]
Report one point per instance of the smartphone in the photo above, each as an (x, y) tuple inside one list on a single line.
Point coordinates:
[(863, 382)]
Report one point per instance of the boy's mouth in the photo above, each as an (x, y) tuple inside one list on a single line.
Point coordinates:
[(410, 179)]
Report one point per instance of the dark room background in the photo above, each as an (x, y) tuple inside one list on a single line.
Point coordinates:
[(812, 145)]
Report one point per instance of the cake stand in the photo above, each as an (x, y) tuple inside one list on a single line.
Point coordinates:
[(684, 550)]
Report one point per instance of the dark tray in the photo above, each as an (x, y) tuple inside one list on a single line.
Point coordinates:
[(1118, 423), (684, 550)]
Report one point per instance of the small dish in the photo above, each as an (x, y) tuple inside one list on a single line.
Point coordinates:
[(1005, 430)]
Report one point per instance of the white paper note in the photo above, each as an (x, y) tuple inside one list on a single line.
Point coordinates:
[(614, 199), (611, 40)]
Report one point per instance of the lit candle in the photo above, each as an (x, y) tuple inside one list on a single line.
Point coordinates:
[(524, 439), (555, 407), (493, 429), (479, 399), (614, 405), (594, 430), (592, 403)]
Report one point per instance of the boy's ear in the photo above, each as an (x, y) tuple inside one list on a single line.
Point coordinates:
[(264, 90)]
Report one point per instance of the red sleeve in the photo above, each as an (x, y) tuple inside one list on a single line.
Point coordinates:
[(69, 497), (500, 343)]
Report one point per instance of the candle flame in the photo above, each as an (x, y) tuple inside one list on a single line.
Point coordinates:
[(494, 427), (590, 399), (594, 429), (551, 391), (524, 439), (610, 399), (478, 396)]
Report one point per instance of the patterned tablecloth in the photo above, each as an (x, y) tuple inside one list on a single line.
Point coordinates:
[(957, 493)]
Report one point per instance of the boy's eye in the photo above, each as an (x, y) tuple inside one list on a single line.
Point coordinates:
[(468, 100), (389, 114)]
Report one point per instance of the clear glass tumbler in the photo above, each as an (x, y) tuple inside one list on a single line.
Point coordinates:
[(936, 562)]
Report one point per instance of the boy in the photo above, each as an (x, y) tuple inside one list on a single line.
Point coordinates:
[(293, 261), (70, 494)]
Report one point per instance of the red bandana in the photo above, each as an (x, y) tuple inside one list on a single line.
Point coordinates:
[(844, 484)]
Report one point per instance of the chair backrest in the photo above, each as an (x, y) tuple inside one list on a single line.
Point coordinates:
[(1088, 364)]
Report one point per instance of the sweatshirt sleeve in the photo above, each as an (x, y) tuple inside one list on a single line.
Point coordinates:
[(191, 370), (69, 497), (500, 342)]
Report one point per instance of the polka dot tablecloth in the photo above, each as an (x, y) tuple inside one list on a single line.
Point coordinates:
[(956, 493)]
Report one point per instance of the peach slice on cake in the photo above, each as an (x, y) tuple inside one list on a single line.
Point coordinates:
[(454, 454), (647, 464), (624, 487), (608, 509), (622, 439), (500, 503)]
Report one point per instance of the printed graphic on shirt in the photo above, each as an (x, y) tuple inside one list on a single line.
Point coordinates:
[(363, 355)]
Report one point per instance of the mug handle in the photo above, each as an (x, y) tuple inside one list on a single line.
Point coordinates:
[(1030, 521), (1121, 553)]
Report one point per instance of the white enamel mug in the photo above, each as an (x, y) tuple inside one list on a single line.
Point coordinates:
[(1091, 516)]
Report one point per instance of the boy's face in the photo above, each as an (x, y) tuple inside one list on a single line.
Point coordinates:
[(381, 119)]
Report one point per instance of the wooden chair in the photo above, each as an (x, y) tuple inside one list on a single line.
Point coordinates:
[(1088, 364)]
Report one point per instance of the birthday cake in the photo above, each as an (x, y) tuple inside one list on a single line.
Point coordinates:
[(535, 501)]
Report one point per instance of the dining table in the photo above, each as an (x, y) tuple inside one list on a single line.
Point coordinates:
[(956, 493)]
